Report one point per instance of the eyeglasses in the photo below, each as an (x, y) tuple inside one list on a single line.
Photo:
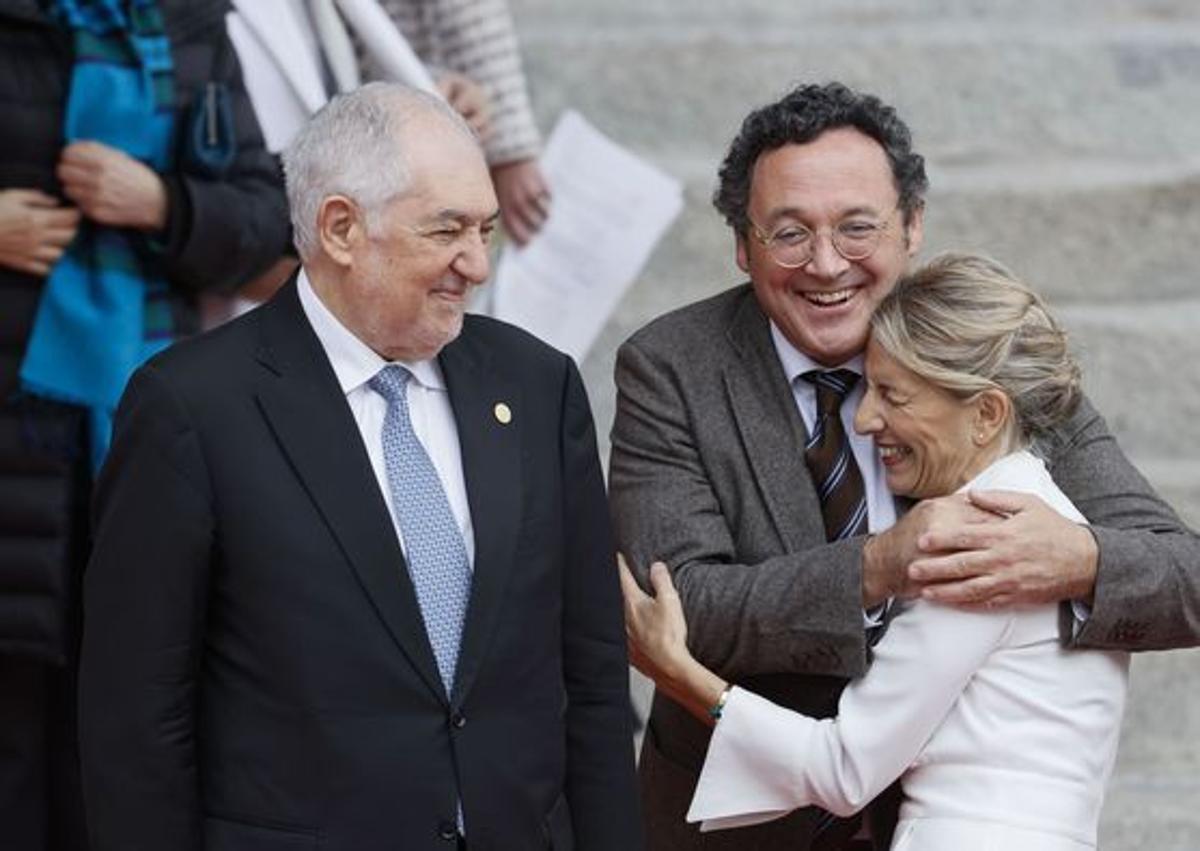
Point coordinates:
[(792, 246)]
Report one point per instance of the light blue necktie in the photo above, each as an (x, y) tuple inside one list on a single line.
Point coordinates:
[(437, 558)]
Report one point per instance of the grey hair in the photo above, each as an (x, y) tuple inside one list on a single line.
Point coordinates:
[(354, 146), (965, 323)]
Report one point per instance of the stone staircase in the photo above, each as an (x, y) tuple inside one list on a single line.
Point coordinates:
[(1063, 138)]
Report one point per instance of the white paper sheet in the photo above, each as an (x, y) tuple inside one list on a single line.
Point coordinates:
[(609, 210)]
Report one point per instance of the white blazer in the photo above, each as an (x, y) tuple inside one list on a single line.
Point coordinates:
[(279, 66), (276, 47), (1001, 737)]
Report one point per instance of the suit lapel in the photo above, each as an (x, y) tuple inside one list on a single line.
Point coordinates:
[(491, 456), (302, 401), (773, 435)]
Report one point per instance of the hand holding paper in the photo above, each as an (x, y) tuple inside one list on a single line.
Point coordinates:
[(610, 210)]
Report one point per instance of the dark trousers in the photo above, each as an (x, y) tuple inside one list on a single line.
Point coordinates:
[(41, 806)]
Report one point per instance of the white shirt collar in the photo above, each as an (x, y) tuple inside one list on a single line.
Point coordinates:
[(796, 363), (354, 362)]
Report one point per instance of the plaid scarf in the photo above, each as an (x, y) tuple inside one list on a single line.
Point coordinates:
[(104, 308)]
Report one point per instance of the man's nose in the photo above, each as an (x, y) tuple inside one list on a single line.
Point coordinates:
[(472, 261), (825, 261)]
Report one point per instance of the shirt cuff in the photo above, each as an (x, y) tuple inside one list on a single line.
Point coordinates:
[(875, 615), (1080, 612)]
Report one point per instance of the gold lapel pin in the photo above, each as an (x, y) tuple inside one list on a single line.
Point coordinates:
[(503, 413)]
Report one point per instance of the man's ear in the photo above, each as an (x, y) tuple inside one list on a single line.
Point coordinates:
[(742, 252), (914, 231), (993, 410), (340, 228)]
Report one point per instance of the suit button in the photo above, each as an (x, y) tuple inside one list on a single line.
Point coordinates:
[(458, 720), (447, 831)]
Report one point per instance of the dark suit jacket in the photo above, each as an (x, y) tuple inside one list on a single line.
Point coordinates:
[(708, 474), (256, 674)]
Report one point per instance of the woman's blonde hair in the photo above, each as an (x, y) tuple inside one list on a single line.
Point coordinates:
[(965, 323)]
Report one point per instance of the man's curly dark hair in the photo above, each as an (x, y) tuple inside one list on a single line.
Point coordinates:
[(801, 116)]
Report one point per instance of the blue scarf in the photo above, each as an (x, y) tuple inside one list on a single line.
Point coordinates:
[(104, 308)]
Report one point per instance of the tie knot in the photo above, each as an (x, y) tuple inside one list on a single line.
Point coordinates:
[(832, 386), (391, 383)]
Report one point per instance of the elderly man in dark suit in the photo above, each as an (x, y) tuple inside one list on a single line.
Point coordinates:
[(352, 586), (734, 461)]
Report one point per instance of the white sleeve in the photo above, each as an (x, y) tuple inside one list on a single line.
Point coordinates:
[(765, 761)]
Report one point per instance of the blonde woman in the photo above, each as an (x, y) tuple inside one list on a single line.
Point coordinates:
[(1002, 738)]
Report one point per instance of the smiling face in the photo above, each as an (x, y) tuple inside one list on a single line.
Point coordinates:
[(824, 307), (410, 266), (931, 442)]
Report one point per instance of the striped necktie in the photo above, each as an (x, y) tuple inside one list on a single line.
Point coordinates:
[(834, 471), (844, 509)]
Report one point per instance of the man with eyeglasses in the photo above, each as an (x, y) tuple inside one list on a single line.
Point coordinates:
[(352, 585), (734, 462)]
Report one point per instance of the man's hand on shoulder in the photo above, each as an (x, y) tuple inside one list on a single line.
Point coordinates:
[(1031, 555), (888, 555)]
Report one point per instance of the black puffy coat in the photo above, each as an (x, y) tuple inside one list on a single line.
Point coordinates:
[(220, 233)]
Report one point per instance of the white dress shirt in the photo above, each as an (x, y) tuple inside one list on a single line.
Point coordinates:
[(354, 363), (1001, 736)]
